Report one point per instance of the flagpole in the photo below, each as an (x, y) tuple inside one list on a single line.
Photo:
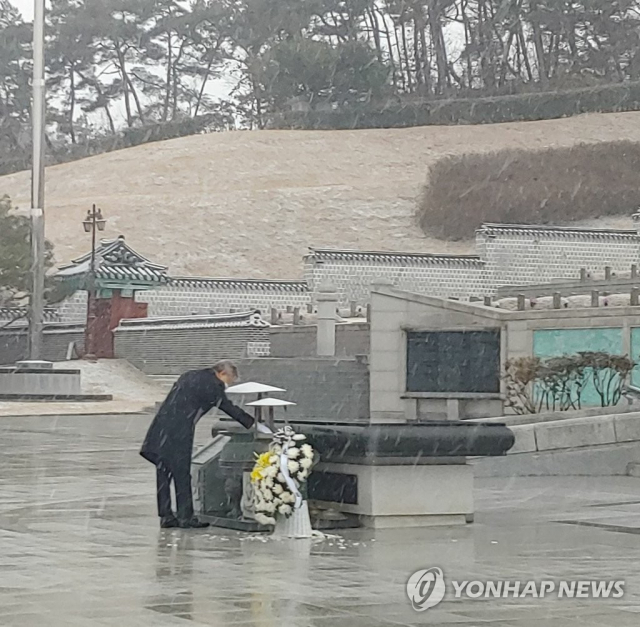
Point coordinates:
[(37, 186)]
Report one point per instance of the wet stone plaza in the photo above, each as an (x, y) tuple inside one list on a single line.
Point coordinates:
[(80, 546)]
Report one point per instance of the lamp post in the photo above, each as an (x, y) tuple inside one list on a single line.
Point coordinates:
[(36, 309), (92, 223)]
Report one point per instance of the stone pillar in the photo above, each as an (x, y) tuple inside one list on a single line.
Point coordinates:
[(326, 337)]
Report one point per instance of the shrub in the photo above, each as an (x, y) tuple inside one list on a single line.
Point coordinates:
[(557, 384), (608, 372), (525, 187)]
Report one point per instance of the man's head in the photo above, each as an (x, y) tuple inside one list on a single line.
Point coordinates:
[(226, 371)]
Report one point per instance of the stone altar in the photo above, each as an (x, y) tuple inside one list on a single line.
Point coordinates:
[(392, 475), (383, 475), (218, 472)]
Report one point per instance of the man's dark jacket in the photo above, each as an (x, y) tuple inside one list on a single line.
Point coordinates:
[(170, 436)]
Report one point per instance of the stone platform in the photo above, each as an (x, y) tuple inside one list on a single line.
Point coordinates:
[(39, 381)]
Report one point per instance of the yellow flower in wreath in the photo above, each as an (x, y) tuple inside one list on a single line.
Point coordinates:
[(262, 462)]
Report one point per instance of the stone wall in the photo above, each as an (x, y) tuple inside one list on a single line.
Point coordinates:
[(436, 275), (73, 310), (520, 254), (186, 296), (325, 389), (393, 313), (300, 341), (56, 340), (533, 332), (170, 347), (506, 255)]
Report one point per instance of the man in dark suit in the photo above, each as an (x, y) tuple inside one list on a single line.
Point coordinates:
[(169, 441)]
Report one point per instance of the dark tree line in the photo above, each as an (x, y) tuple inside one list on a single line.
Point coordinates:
[(115, 64)]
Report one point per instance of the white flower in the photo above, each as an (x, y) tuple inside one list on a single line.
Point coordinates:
[(277, 489), (268, 482), (269, 507), (285, 510), (287, 497), (306, 450), (273, 459), (280, 478), (270, 472), (298, 437), (306, 463), (303, 474), (293, 466), (293, 452), (265, 520)]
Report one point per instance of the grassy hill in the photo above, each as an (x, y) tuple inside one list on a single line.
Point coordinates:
[(249, 204)]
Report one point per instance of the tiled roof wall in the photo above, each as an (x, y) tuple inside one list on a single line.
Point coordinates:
[(510, 254)]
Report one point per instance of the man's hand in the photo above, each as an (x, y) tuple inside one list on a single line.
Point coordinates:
[(262, 428)]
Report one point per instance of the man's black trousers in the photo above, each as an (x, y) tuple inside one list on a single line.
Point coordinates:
[(178, 472)]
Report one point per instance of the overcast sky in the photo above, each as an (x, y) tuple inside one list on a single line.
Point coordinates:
[(26, 8)]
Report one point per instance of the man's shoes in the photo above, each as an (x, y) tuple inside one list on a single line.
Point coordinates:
[(169, 522), (194, 523)]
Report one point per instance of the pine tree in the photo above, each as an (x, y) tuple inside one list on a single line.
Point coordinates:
[(15, 93), (15, 255)]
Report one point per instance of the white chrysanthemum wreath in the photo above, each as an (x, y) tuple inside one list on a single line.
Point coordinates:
[(279, 474)]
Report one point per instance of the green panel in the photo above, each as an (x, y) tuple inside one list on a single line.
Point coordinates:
[(559, 342), (635, 355)]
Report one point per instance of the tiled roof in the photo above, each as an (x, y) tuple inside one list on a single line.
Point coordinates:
[(538, 229), (235, 320), (116, 261), (322, 254), (140, 273), (255, 284), (21, 313)]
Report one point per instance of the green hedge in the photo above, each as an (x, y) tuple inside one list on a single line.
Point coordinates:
[(515, 186), (400, 113), (523, 107)]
